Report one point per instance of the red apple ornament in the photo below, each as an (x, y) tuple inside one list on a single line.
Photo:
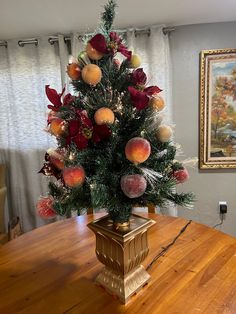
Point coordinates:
[(181, 175), (137, 150), (44, 207), (73, 176), (133, 185)]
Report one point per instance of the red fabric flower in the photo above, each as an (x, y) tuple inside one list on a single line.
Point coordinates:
[(138, 98), (140, 94), (68, 99), (99, 43), (138, 77), (100, 132), (115, 45), (81, 130), (55, 98)]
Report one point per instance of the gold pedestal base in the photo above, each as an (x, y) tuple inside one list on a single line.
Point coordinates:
[(122, 251), (123, 287)]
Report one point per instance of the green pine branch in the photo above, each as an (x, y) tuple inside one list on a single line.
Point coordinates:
[(108, 17)]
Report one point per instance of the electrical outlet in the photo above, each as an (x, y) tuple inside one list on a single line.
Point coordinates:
[(223, 207)]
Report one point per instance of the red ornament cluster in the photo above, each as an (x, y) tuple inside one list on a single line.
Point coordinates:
[(113, 46), (81, 130), (139, 93)]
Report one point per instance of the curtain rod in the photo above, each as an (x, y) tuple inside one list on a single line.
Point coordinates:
[(54, 39)]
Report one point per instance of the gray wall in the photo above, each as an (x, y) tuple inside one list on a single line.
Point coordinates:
[(209, 186)]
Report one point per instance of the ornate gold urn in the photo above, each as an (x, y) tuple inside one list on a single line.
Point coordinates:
[(122, 250)]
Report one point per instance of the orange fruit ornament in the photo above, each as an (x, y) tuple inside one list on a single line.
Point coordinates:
[(73, 176), (164, 133), (137, 150), (91, 74), (104, 116), (157, 103), (57, 127), (93, 53), (74, 71)]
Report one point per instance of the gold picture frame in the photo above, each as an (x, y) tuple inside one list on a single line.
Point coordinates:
[(217, 109)]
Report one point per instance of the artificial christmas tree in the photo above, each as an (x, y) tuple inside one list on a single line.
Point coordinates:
[(112, 151)]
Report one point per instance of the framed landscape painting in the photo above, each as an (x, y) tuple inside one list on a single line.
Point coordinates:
[(217, 109)]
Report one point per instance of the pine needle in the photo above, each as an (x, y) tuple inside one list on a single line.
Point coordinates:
[(108, 17)]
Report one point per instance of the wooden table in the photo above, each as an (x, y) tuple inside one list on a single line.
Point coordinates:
[(52, 269)]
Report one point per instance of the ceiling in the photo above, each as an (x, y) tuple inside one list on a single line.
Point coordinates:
[(28, 18)]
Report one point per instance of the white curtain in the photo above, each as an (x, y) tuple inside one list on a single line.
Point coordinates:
[(24, 71), (77, 44)]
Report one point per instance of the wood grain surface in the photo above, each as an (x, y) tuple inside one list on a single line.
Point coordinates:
[(52, 269)]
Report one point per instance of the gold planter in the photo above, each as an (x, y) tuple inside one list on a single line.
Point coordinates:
[(122, 251)]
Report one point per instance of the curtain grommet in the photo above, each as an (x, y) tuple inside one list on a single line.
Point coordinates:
[(22, 43)]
